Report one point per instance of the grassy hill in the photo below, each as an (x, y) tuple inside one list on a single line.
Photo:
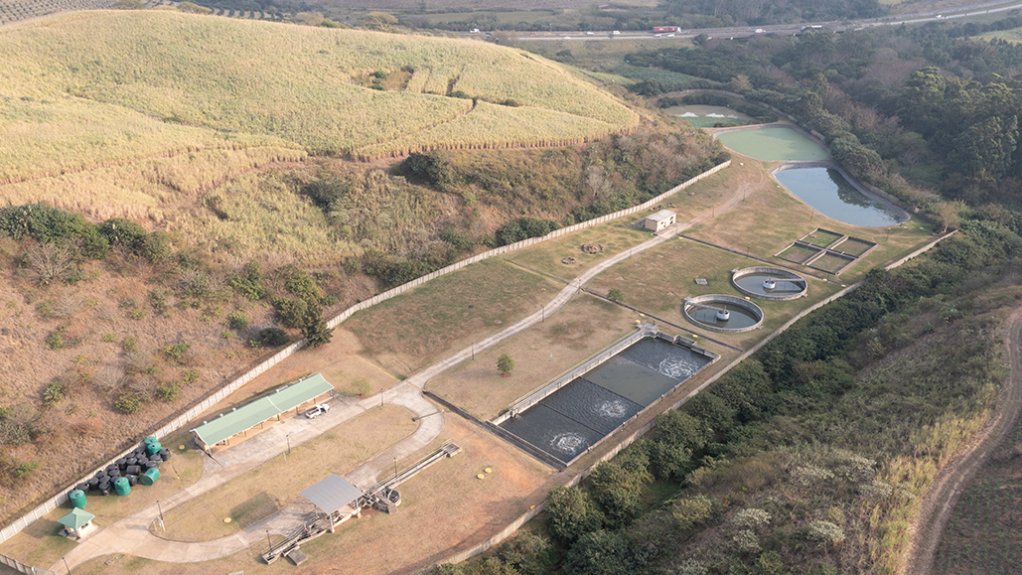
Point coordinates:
[(147, 114), (365, 94)]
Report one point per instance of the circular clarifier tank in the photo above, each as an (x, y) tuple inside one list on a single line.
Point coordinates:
[(769, 283), (720, 312)]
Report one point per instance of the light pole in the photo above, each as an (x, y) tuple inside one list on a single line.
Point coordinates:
[(269, 544), (395, 468), (66, 566), (287, 437)]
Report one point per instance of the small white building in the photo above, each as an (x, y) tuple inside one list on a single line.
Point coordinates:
[(660, 220)]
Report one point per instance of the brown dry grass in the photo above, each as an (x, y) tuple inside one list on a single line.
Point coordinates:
[(279, 481), (409, 332), (443, 509), (84, 428), (577, 331)]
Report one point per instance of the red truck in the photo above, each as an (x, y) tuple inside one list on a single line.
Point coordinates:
[(665, 29)]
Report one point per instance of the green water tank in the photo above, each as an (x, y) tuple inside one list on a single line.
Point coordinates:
[(122, 486), (150, 476), (152, 447), (77, 498)]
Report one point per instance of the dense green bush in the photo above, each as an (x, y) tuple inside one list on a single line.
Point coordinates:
[(270, 337), (47, 224), (433, 168), (522, 229)]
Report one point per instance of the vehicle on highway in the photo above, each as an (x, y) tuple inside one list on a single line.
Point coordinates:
[(317, 410), (615, 33)]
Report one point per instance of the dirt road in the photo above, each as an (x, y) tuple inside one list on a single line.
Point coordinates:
[(939, 502)]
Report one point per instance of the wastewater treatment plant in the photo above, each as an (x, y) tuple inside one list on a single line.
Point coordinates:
[(769, 283), (723, 313), (565, 419)]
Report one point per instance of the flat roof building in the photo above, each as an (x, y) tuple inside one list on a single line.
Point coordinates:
[(335, 497), (220, 430), (660, 220)]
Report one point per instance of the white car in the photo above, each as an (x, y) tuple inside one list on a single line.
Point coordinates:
[(317, 411)]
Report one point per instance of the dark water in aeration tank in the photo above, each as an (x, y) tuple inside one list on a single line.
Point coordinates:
[(570, 420)]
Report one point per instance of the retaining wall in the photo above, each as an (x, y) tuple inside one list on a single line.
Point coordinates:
[(181, 420)]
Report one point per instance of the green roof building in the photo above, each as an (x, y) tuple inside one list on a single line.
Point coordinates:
[(219, 431), (76, 522)]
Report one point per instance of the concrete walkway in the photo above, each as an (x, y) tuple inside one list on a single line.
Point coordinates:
[(131, 535)]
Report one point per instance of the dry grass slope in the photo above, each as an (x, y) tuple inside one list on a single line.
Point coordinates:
[(303, 85)]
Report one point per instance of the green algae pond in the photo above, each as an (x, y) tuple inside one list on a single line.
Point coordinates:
[(774, 143)]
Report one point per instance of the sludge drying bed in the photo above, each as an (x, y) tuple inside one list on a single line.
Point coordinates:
[(572, 419)]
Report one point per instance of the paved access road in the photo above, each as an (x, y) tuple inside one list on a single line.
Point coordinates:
[(745, 31)]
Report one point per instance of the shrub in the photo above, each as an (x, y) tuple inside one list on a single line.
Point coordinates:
[(825, 533), (158, 301), (47, 224), (123, 233), (249, 282), (237, 321), (190, 376), (291, 311), (326, 190), (617, 490), (177, 351), (598, 553), (746, 541), (571, 513), (615, 295), (128, 403), (129, 344), (270, 337), (522, 229), (505, 364), (750, 518), (23, 468), (19, 424), (167, 392), (392, 270), (316, 333), (434, 168), (53, 393), (693, 511), (56, 340)]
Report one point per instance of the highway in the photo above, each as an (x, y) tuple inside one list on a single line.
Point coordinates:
[(745, 31)]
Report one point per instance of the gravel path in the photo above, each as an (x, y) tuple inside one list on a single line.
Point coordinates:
[(939, 501)]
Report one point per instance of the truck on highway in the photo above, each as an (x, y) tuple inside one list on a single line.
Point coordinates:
[(666, 29)]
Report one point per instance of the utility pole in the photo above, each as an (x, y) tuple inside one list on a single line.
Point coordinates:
[(66, 566)]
